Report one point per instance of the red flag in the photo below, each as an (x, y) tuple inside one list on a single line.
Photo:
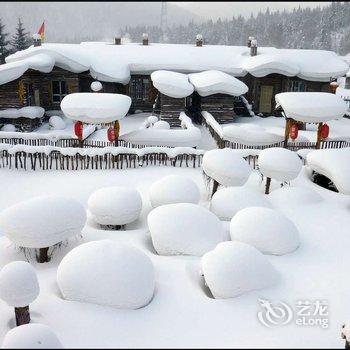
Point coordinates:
[(41, 31)]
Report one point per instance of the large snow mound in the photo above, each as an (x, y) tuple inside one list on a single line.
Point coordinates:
[(279, 163), (226, 202), (31, 336), (30, 112), (266, 229), (42, 221), (334, 164), (216, 82), (95, 108), (8, 128), (234, 268), (107, 273), (57, 123), (19, 284), (226, 167), (184, 229), (172, 84), (312, 107), (174, 189), (115, 205)]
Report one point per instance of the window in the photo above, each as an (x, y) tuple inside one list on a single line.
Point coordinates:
[(29, 94), (139, 89), (59, 90), (297, 85)]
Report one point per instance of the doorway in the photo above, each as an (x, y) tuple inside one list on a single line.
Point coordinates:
[(265, 102)]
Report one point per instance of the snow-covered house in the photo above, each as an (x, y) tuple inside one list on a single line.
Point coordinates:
[(44, 73)]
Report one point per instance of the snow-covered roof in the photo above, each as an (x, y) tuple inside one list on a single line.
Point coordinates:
[(115, 63), (311, 107)]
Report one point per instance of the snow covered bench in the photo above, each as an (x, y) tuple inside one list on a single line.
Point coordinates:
[(26, 118)]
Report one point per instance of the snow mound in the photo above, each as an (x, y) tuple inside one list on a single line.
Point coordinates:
[(312, 107), (31, 336), (184, 229), (213, 82), (161, 124), (89, 107), (152, 119), (334, 164), (279, 163), (174, 189), (8, 127), (107, 273), (30, 112), (19, 284), (172, 84), (226, 167), (251, 135), (226, 202), (42, 221), (115, 205), (234, 268), (96, 86), (266, 229), (57, 123)]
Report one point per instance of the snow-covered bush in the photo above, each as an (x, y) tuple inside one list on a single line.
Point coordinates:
[(8, 127), (184, 229), (19, 287), (266, 229), (234, 268), (107, 273), (57, 123), (115, 206), (174, 189), (226, 202), (96, 86), (152, 119), (42, 222), (161, 124), (31, 336)]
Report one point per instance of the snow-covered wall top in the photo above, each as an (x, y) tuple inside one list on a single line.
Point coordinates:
[(115, 63)]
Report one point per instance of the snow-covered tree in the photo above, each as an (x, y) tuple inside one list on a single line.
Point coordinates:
[(4, 51), (20, 40)]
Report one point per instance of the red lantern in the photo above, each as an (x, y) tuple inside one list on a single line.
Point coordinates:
[(78, 130), (293, 133), (324, 132), (111, 134)]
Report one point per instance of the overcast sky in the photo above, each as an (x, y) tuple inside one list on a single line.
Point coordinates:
[(215, 10)]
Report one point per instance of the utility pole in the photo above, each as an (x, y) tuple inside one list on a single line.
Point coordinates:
[(164, 21)]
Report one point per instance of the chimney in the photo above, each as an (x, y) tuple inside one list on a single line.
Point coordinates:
[(117, 40), (253, 47), (36, 39), (144, 39), (250, 41), (199, 40)]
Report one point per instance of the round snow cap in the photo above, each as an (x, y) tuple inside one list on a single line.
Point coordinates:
[(161, 124), (96, 86)]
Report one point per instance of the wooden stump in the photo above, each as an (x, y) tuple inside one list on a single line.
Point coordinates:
[(43, 255), (268, 183), (215, 186), (22, 315)]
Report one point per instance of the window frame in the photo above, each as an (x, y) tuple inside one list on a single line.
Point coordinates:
[(61, 94)]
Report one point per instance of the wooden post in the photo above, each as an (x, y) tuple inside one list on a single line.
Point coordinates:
[(268, 183), (318, 142), (215, 186), (116, 131), (43, 255), (286, 132), (22, 315)]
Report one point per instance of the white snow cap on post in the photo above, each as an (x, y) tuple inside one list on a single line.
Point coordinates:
[(42, 221), (107, 273), (172, 84), (312, 107), (226, 167), (31, 336), (96, 86), (184, 229), (19, 284), (216, 82), (234, 268), (89, 107)]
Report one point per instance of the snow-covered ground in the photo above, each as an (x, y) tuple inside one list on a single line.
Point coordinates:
[(181, 313)]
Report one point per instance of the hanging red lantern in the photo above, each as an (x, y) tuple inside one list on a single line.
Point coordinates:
[(324, 132), (78, 130), (293, 133), (111, 134)]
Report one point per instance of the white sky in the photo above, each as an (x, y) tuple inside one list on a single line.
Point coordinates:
[(215, 10)]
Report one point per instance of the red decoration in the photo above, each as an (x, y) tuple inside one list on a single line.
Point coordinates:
[(324, 132), (111, 134), (293, 133), (78, 130)]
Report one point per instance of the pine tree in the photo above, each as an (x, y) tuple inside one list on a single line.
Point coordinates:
[(20, 40), (3, 43)]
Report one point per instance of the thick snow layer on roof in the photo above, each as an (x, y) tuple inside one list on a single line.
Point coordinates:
[(334, 164), (234, 268), (311, 107), (115, 63), (172, 84), (216, 82), (30, 112), (95, 107), (31, 336), (184, 229)]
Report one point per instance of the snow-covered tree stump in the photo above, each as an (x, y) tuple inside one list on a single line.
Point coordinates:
[(22, 315), (43, 255)]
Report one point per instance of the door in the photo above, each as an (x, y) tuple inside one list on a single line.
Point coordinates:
[(265, 103)]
